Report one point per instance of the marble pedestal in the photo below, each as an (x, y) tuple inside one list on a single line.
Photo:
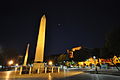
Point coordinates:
[(37, 66)]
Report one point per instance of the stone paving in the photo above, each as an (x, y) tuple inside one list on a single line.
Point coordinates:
[(67, 75)]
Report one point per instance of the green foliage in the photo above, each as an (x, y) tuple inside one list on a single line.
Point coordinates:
[(81, 55), (57, 59), (7, 54), (62, 57), (2, 59)]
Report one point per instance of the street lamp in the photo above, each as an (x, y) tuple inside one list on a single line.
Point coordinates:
[(16, 64), (50, 63), (94, 57), (10, 62)]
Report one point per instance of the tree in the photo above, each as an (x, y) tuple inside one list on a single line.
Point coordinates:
[(7, 54), (82, 54), (62, 57), (2, 56), (112, 43)]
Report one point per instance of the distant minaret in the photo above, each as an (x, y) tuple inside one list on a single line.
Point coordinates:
[(41, 41), (26, 56)]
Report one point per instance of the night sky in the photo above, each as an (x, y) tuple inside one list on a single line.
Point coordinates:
[(69, 24)]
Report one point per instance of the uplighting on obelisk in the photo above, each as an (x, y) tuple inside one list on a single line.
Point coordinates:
[(39, 55)]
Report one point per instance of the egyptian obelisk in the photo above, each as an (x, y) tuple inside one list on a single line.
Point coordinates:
[(26, 55), (39, 55)]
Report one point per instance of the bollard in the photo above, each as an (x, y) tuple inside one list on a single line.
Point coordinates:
[(20, 70), (30, 70), (58, 69), (64, 70), (52, 69), (15, 69), (45, 69), (38, 71)]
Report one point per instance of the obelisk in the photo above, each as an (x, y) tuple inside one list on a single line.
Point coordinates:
[(26, 56), (39, 55)]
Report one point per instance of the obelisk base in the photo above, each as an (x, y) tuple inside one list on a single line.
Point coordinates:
[(37, 66)]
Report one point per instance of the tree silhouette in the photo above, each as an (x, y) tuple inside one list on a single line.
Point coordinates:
[(112, 43)]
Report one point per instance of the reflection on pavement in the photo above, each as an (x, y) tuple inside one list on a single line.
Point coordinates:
[(49, 76), (10, 75), (7, 75)]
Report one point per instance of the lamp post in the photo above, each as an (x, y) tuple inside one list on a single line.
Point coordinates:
[(94, 57), (16, 66), (50, 63)]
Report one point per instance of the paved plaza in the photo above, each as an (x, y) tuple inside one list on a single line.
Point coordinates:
[(63, 75)]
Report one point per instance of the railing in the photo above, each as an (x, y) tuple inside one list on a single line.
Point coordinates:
[(29, 70)]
